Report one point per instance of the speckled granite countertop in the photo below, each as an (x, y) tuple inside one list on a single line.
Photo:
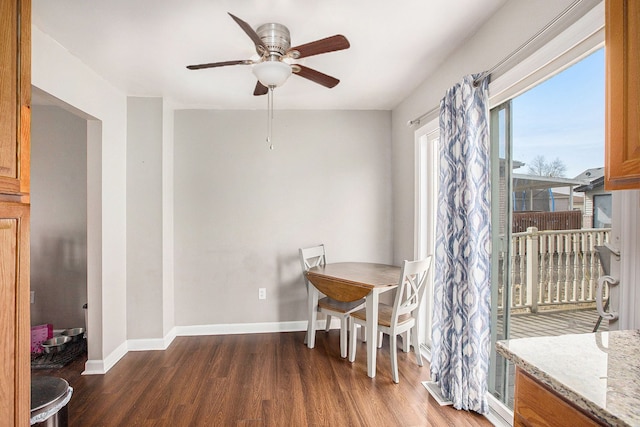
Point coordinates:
[(598, 372)]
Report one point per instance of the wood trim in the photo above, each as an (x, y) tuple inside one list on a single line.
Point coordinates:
[(23, 312), (23, 320), (622, 94), (24, 94)]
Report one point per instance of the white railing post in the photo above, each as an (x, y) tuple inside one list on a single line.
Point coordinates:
[(533, 285)]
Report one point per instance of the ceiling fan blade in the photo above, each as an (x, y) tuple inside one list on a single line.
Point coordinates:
[(329, 44), (220, 64), (315, 76), (260, 89), (260, 46)]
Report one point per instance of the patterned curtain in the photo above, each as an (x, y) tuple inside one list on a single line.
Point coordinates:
[(461, 316)]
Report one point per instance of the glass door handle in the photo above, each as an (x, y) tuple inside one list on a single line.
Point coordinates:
[(607, 315)]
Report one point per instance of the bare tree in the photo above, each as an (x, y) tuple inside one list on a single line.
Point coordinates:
[(539, 166)]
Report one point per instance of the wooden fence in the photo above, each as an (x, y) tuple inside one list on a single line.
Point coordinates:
[(564, 220)]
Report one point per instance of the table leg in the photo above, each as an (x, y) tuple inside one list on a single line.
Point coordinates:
[(372, 331), (313, 314)]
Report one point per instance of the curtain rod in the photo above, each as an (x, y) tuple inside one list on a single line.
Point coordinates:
[(491, 72)]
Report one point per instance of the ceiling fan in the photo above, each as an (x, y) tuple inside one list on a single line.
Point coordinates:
[(273, 44)]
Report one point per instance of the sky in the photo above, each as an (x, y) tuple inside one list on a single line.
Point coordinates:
[(563, 118)]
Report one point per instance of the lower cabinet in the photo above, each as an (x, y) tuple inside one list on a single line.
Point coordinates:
[(537, 405), (15, 381)]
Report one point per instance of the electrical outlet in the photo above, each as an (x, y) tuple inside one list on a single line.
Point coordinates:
[(33, 297), (262, 293)]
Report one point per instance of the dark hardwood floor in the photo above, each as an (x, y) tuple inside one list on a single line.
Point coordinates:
[(255, 380)]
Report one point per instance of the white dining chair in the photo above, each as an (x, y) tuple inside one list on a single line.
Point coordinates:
[(401, 317), (313, 257)]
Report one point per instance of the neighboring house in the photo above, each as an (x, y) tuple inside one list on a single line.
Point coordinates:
[(536, 193), (542, 193), (562, 201), (597, 204)]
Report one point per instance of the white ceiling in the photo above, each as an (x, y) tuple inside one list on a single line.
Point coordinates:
[(143, 46)]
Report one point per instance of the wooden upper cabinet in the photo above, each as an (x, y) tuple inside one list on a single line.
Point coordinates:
[(622, 51), (15, 97)]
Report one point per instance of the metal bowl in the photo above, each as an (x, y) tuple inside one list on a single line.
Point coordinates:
[(75, 334), (55, 345)]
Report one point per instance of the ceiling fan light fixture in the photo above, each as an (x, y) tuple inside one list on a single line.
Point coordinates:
[(272, 73)]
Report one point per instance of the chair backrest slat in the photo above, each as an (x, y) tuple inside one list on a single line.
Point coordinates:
[(411, 287), (311, 257)]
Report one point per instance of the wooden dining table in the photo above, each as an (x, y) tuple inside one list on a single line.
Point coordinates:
[(351, 281)]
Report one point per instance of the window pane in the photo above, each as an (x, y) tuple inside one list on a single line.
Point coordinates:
[(602, 211)]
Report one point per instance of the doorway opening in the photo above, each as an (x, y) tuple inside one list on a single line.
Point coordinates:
[(65, 287)]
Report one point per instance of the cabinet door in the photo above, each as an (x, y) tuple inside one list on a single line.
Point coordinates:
[(15, 94), (15, 379), (622, 153)]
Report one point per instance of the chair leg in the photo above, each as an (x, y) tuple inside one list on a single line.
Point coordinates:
[(394, 357), (363, 333), (380, 339), (352, 340), (343, 336), (416, 346), (406, 344), (313, 315), (327, 326)]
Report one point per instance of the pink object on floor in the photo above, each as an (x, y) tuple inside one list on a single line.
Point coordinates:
[(40, 333)]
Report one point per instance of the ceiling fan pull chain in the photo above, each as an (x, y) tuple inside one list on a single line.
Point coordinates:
[(270, 118)]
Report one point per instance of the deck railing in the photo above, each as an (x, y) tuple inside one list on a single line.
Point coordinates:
[(555, 269)]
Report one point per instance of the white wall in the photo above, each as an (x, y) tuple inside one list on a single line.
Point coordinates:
[(58, 217), (144, 218), (58, 73), (242, 211), (168, 268), (510, 27), (625, 237)]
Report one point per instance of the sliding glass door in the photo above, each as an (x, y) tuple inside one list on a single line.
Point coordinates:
[(550, 212), (500, 380)]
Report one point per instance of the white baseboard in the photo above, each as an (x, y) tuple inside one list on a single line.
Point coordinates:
[(115, 356), (99, 367), (146, 344), (93, 367), (241, 328), (152, 343)]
